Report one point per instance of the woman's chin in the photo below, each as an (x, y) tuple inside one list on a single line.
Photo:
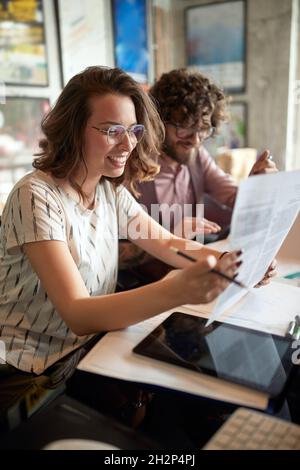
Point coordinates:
[(114, 173)]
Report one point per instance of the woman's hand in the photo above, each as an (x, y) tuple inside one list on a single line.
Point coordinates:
[(271, 272), (199, 285)]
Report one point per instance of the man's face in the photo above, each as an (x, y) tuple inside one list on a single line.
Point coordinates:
[(182, 143)]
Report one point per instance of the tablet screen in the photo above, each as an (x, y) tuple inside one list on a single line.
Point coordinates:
[(252, 358)]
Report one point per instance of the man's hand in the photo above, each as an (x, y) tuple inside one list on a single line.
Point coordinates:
[(188, 227), (271, 272), (263, 165)]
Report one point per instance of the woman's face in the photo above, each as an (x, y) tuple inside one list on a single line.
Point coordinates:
[(105, 158)]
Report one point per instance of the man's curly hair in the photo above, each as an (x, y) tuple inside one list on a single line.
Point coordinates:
[(183, 95)]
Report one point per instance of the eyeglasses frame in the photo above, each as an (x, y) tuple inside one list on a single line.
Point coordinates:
[(198, 131), (127, 131)]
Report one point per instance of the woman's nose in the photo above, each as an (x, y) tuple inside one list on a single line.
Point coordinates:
[(127, 142)]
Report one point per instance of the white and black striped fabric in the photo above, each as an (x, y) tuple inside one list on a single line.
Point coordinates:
[(37, 209)]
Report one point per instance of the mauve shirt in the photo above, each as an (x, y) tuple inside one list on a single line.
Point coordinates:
[(176, 186)]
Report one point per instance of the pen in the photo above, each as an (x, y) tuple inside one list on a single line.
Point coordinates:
[(293, 330), (296, 332), (215, 271)]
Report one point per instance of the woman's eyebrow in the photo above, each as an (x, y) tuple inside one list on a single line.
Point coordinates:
[(108, 122), (113, 123)]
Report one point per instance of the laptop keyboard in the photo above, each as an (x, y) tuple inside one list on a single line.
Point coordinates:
[(249, 430)]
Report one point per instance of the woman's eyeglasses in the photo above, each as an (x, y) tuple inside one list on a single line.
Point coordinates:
[(115, 134), (188, 132)]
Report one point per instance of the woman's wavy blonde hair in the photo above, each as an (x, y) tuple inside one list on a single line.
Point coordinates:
[(62, 147)]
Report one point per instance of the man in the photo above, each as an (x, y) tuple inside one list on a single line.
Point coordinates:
[(192, 109)]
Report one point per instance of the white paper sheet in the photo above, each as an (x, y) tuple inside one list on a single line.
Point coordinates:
[(268, 309), (265, 209)]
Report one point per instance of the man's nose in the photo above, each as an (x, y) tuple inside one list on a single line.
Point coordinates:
[(195, 138)]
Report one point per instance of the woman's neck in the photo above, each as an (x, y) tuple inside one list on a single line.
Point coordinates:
[(87, 185)]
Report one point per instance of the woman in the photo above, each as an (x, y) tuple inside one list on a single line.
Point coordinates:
[(61, 225)]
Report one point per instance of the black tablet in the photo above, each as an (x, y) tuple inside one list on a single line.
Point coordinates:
[(251, 358)]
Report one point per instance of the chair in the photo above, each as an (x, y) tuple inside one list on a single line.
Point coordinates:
[(237, 162), (26, 401), (67, 418)]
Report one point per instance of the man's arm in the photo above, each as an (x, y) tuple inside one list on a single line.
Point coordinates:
[(220, 185), (216, 182)]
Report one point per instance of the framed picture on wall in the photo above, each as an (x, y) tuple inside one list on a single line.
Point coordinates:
[(23, 58), (233, 134), (20, 131), (83, 35), (130, 37), (20, 128), (216, 42)]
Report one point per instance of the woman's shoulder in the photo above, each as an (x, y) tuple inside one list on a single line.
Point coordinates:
[(34, 181), (35, 192), (34, 184)]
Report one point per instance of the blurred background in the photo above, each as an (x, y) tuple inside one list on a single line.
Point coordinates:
[(250, 48)]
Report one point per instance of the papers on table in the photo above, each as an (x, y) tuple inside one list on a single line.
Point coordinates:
[(112, 356), (265, 209), (274, 307), (268, 309)]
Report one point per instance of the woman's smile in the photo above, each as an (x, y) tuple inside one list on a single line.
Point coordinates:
[(117, 161)]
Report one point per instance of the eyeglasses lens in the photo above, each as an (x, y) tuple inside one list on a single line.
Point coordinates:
[(138, 131), (185, 133), (117, 133)]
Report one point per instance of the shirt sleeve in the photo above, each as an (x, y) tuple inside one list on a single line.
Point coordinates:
[(34, 213), (217, 183), (127, 208)]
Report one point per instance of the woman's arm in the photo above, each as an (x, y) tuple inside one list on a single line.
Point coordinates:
[(61, 279), (150, 236)]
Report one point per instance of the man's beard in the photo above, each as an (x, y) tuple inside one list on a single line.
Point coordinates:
[(174, 153)]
